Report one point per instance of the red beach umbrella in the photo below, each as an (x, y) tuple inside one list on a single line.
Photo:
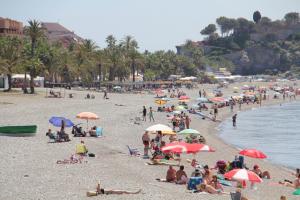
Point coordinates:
[(217, 99), (253, 153), (184, 97), (243, 175), (182, 147), (175, 147)]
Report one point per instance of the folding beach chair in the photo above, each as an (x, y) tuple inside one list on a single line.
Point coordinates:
[(133, 151)]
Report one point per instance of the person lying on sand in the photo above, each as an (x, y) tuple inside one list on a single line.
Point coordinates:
[(100, 191), (295, 185), (261, 174), (215, 183), (209, 189)]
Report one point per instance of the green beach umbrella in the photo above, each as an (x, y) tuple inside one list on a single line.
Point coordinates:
[(189, 131), (297, 192), (180, 108)]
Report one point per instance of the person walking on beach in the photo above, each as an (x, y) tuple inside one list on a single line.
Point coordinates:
[(105, 94), (215, 111), (200, 93), (240, 104), (204, 93), (151, 114), (144, 113), (231, 105), (234, 120)]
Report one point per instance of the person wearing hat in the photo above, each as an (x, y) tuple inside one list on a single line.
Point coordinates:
[(261, 174)]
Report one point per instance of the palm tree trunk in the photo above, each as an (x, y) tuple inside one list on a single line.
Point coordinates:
[(100, 73), (9, 83), (31, 83), (25, 84), (133, 70)]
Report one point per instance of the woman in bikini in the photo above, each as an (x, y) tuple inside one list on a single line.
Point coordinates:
[(100, 191)]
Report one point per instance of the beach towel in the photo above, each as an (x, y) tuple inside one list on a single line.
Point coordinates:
[(296, 192)]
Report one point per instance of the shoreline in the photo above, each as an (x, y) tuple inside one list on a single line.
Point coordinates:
[(218, 132)]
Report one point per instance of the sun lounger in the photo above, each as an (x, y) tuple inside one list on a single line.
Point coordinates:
[(133, 151)]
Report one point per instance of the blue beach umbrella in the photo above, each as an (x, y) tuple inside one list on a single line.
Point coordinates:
[(57, 121)]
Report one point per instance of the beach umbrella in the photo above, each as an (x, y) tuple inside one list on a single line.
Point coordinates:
[(202, 100), (180, 108), (182, 147), (57, 121), (217, 99), (88, 116), (160, 102), (184, 97), (166, 130), (243, 175), (184, 100), (253, 153), (189, 131)]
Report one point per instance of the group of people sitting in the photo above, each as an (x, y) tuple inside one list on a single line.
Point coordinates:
[(199, 181), (60, 136)]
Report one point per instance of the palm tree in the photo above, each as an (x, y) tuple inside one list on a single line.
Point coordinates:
[(113, 53), (35, 32), (130, 46), (10, 56)]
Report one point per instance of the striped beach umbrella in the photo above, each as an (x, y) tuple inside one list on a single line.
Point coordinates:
[(253, 153), (243, 175)]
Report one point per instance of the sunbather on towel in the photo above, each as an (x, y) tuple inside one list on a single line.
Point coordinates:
[(215, 183), (209, 189), (100, 190), (295, 184)]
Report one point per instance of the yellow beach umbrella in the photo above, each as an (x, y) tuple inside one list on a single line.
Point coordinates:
[(160, 102)]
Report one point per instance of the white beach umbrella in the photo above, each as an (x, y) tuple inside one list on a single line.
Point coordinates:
[(159, 127)]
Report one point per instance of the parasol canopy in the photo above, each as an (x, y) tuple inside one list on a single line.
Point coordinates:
[(243, 174), (253, 153)]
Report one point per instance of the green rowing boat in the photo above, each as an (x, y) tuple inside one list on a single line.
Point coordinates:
[(20, 131)]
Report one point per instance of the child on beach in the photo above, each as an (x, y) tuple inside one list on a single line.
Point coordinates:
[(151, 114)]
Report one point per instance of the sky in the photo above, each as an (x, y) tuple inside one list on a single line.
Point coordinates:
[(155, 24)]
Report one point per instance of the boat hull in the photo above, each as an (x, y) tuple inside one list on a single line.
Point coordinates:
[(18, 131)]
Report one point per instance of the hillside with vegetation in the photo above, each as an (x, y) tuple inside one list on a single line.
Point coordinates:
[(254, 47)]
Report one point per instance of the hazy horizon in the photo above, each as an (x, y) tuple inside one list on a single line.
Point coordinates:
[(156, 25)]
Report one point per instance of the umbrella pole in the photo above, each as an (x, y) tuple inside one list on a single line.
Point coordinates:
[(87, 125)]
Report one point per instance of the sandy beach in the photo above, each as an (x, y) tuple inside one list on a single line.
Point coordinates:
[(29, 169)]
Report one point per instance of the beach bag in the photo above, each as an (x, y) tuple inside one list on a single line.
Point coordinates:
[(99, 131), (91, 193), (193, 182)]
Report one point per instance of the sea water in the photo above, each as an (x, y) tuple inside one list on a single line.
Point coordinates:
[(274, 130)]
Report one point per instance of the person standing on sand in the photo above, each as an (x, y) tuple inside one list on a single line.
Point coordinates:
[(151, 114), (234, 120), (204, 93), (200, 93), (144, 113), (146, 142), (215, 111), (187, 121)]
